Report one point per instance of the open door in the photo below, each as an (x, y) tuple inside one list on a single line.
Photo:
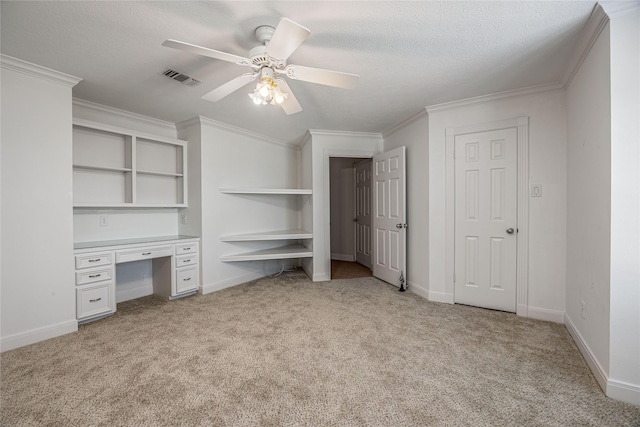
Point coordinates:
[(389, 219), (362, 217)]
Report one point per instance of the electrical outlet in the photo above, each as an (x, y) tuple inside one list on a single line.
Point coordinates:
[(583, 307), (104, 221), (183, 219)]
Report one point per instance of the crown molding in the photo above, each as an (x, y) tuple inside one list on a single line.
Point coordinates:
[(404, 123), (595, 24), (618, 8), (320, 132), (34, 70), (77, 102), (494, 96), (205, 121)]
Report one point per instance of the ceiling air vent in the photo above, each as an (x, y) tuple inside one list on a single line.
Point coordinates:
[(182, 78)]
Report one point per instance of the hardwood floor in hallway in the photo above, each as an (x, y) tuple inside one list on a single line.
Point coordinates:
[(348, 270)]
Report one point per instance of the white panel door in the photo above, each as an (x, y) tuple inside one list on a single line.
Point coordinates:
[(485, 219), (363, 212), (389, 216)]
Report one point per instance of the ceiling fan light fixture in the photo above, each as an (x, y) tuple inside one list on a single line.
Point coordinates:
[(267, 90)]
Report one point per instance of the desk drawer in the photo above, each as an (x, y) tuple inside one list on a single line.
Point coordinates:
[(94, 300), (143, 253), (187, 248), (97, 275), (186, 279), (183, 261), (93, 260)]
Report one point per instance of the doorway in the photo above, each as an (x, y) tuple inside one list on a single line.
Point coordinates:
[(350, 213)]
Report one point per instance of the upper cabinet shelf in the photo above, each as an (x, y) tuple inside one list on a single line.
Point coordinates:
[(114, 167), (265, 191)]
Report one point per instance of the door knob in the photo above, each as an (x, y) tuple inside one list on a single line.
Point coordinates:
[(355, 219), (510, 230), (398, 225)]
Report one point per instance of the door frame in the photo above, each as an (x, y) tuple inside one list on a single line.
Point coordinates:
[(327, 153), (522, 257)]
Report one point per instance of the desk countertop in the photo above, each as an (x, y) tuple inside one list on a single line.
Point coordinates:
[(153, 239)]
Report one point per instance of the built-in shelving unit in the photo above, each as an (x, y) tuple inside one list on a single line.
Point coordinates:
[(115, 167), (300, 249)]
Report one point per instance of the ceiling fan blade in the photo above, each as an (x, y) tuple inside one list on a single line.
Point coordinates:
[(323, 77), (290, 105), (231, 86), (199, 50), (286, 38)]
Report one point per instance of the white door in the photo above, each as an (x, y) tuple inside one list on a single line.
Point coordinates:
[(363, 212), (389, 216), (485, 219)]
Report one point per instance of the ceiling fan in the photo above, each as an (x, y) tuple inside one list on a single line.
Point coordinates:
[(268, 64)]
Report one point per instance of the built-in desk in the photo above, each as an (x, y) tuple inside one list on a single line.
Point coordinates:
[(175, 261)]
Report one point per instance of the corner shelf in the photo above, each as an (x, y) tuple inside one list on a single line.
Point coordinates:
[(282, 252), (290, 251), (265, 191), (268, 235)]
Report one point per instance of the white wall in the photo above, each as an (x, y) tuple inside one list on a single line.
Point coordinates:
[(414, 134), (324, 145), (589, 201), (547, 154), (624, 352), (37, 267), (231, 157), (341, 175)]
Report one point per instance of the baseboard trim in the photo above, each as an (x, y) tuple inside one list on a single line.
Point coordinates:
[(587, 354), (343, 257), (545, 314), (36, 335), (441, 297), (418, 290), (231, 282), (321, 277), (625, 392), (134, 293)]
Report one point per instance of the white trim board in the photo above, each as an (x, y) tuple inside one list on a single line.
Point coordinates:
[(522, 263), (343, 257), (597, 369), (418, 290), (39, 334), (105, 109)]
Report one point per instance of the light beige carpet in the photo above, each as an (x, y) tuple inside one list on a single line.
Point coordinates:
[(286, 351)]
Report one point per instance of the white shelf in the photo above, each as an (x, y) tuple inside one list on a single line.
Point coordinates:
[(101, 168), (142, 172), (282, 252), (127, 205), (268, 235), (265, 191)]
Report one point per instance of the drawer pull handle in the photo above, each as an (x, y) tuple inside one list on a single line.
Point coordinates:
[(186, 249), (95, 260), (146, 253), (186, 260), (95, 300), (93, 276), (187, 279)]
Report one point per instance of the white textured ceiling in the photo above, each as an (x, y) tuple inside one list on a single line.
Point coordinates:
[(408, 54)]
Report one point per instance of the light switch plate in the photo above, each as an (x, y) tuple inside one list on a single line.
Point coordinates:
[(536, 190), (104, 221)]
